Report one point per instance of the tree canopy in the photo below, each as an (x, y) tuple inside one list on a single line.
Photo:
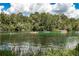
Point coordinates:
[(37, 22)]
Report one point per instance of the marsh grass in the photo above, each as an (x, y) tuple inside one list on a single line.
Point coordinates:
[(44, 53), (6, 53)]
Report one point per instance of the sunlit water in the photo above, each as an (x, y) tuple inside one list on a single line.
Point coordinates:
[(26, 43)]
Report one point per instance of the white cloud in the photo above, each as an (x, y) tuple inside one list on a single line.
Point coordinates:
[(31, 8), (60, 8), (64, 8), (16, 8), (40, 7), (72, 13), (1, 7)]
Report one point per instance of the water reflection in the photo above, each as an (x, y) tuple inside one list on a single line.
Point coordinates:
[(72, 42), (27, 44)]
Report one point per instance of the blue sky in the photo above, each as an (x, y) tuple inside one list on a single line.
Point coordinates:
[(76, 5), (8, 5)]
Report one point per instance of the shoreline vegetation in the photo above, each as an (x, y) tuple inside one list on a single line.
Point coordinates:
[(38, 22)]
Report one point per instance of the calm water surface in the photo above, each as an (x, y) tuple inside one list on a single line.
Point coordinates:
[(27, 43)]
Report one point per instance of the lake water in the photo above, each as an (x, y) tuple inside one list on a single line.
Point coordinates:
[(28, 43)]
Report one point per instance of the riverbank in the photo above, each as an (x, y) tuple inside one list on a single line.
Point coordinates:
[(47, 32)]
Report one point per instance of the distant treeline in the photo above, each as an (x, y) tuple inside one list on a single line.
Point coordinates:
[(37, 22)]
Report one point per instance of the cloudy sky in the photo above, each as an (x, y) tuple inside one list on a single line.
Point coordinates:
[(69, 9)]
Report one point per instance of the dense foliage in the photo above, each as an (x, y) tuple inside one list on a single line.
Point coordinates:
[(37, 22)]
